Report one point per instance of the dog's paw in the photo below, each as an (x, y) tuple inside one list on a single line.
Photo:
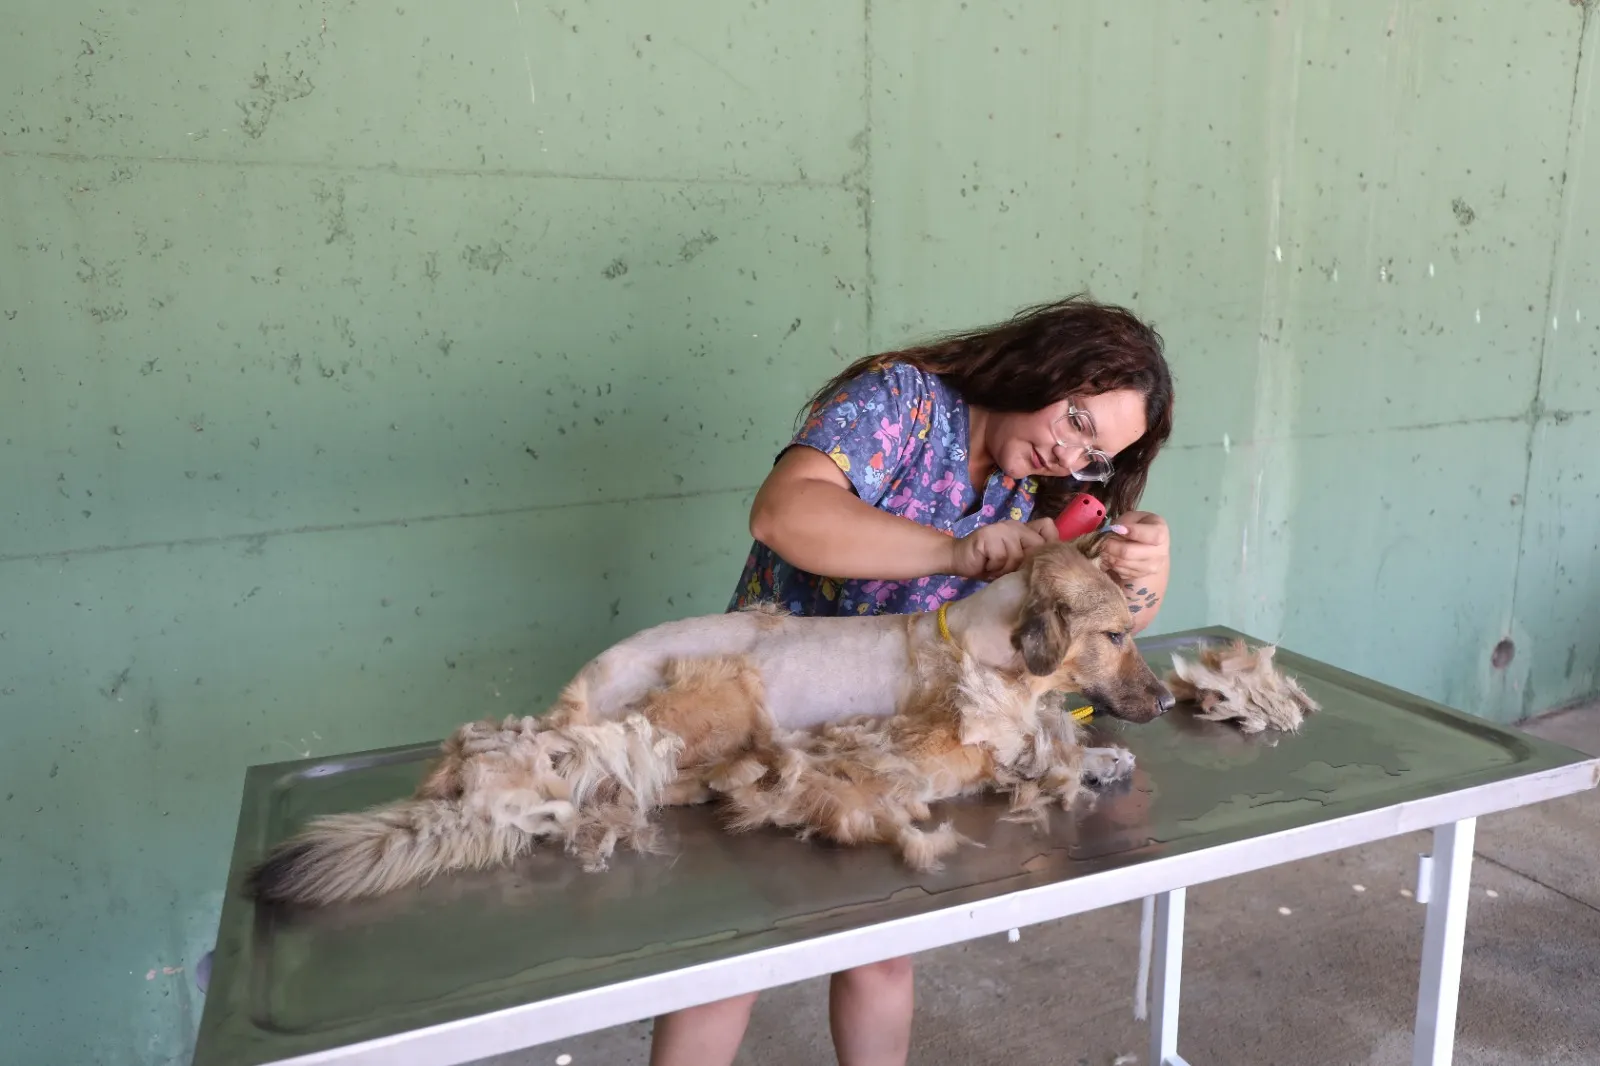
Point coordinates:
[(1105, 765), (741, 773)]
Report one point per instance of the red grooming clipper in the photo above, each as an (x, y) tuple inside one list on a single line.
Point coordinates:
[(1082, 515)]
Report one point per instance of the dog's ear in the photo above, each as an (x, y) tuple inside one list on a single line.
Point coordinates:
[(1041, 633), (1042, 639), (1089, 547)]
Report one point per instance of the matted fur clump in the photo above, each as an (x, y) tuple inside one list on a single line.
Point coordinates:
[(1238, 684), (866, 780)]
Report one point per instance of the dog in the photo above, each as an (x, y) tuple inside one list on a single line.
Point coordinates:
[(846, 728)]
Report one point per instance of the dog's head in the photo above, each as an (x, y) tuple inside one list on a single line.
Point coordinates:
[(1074, 633)]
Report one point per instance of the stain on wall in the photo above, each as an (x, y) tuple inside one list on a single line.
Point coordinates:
[(365, 369)]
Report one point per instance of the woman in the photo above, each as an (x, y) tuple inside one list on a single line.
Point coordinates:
[(918, 476)]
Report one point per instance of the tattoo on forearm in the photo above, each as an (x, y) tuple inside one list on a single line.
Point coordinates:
[(1140, 598)]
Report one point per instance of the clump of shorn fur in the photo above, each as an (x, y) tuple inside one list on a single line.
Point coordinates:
[(1238, 684)]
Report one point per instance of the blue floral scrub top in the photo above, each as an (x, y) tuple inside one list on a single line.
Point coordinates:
[(901, 436)]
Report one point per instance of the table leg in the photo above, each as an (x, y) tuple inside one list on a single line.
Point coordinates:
[(1443, 934), (1167, 969)]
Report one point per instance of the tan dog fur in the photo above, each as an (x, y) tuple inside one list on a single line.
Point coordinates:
[(847, 728)]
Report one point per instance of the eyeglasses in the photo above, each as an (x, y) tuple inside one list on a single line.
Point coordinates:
[(1074, 434)]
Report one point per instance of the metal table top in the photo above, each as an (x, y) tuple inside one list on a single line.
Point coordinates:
[(477, 964)]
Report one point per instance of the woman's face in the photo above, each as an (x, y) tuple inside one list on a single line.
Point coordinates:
[(1063, 438)]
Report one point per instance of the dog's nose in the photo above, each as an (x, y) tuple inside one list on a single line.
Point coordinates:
[(1165, 700)]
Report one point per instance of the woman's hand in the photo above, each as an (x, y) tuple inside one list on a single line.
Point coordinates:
[(1143, 551), (994, 551), (1141, 561)]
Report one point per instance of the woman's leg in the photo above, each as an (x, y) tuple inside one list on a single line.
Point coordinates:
[(707, 1035), (869, 1012)]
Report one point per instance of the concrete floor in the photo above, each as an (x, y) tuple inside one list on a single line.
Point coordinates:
[(1331, 983)]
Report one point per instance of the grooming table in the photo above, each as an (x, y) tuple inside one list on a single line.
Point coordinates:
[(479, 964)]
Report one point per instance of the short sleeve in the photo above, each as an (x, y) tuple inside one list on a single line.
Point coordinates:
[(872, 426)]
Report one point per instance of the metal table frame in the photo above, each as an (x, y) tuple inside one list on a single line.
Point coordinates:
[(1444, 878), (1161, 881)]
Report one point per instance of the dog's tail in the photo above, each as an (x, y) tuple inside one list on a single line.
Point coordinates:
[(345, 856), (590, 786)]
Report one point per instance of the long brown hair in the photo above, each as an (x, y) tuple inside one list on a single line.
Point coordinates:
[(1041, 355)]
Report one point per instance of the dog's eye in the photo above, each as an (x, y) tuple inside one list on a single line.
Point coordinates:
[(1116, 639)]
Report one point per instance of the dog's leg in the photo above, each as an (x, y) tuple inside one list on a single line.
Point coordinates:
[(701, 784), (594, 845), (716, 705), (687, 791)]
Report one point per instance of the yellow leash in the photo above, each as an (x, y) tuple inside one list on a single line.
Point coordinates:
[(1082, 714)]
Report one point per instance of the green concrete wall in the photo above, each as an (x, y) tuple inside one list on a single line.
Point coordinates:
[(365, 368)]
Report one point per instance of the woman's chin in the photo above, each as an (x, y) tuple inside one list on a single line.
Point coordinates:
[(1016, 470)]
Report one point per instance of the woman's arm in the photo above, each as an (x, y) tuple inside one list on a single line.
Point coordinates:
[(807, 513), (1145, 596)]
